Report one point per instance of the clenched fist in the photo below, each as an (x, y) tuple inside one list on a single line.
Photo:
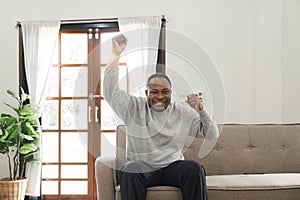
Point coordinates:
[(194, 101), (119, 43)]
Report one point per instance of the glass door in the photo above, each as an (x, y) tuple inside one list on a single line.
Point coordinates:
[(77, 126)]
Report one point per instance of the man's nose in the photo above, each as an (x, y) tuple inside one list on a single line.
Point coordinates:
[(160, 95)]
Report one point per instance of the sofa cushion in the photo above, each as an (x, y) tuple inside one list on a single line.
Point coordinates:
[(250, 149), (253, 181), (244, 182), (237, 187)]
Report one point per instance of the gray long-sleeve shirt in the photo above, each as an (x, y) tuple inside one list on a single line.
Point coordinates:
[(156, 138)]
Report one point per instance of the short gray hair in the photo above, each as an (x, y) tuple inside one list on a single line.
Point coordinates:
[(158, 75)]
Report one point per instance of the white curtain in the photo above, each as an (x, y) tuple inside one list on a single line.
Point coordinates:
[(39, 40), (141, 51)]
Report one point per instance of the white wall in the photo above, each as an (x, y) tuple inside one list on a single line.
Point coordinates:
[(254, 44), (291, 61), (244, 40)]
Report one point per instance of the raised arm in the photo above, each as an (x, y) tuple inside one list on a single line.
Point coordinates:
[(118, 45), (116, 98)]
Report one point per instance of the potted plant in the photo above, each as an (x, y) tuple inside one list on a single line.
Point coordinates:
[(19, 140)]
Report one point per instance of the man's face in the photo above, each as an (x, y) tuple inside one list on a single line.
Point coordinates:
[(158, 94)]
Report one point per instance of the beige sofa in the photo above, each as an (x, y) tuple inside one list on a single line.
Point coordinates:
[(248, 162)]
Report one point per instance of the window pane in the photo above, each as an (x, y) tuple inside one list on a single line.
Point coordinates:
[(55, 55), (73, 48), (74, 81), (74, 147), (50, 146), (50, 115), (102, 76), (50, 171), (50, 187), (74, 187), (108, 144), (53, 83), (74, 114), (74, 171)]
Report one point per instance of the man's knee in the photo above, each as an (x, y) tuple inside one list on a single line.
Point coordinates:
[(132, 174), (194, 168)]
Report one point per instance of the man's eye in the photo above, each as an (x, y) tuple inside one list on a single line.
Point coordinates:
[(165, 92), (154, 92)]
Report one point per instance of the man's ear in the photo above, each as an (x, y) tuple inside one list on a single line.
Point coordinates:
[(146, 92)]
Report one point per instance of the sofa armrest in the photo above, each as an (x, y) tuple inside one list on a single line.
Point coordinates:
[(105, 178)]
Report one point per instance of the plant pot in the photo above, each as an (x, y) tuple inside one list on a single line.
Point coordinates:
[(12, 190)]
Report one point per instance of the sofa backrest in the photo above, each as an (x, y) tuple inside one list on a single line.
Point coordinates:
[(243, 149)]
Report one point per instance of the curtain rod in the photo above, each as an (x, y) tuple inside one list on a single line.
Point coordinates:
[(78, 21)]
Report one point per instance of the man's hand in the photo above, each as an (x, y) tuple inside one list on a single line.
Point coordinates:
[(194, 102), (119, 43)]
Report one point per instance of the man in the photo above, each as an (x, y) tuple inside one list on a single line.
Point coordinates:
[(157, 130)]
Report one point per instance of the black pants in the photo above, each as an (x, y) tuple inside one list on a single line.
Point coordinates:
[(187, 175)]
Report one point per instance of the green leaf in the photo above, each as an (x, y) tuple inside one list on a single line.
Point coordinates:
[(27, 109), (14, 131), (31, 118), (4, 115), (7, 120), (7, 142), (26, 137), (36, 127), (4, 135), (28, 129), (14, 108), (3, 148), (28, 157), (28, 148), (13, 94), (25, 112), (3, 151), (34, 110), (36, 141)]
